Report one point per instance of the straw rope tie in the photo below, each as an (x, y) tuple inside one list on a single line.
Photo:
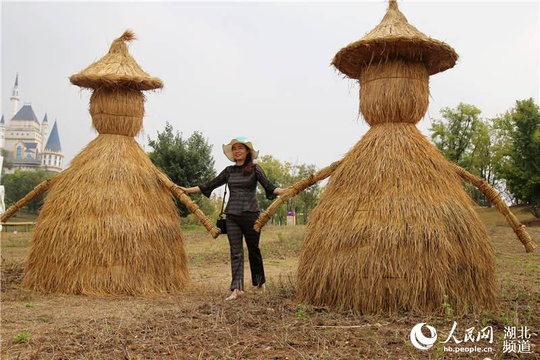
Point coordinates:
[(119, 114), (117, 134), (393, 77)]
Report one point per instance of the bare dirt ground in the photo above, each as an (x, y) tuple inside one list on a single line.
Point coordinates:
[(199, 324)]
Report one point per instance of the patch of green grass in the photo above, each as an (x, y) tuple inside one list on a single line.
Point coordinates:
[(287, 245), (207, 258), (277, 243), (21, 337), (16, 241), (44, 319), (15, 248), (448, 311), (301, 313), (192, 228)]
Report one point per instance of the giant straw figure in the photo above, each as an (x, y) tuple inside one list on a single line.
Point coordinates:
[(109, 225), (394, 229)]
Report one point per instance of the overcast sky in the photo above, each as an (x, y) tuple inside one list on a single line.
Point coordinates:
[(259, 69)]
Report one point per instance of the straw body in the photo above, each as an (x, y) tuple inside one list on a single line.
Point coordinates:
[(108, 227), (395, 231)]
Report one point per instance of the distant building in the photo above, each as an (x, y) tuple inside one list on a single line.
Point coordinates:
[(23, 137)]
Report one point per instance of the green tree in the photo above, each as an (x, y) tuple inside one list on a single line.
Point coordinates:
[(20, 183), (518, 152), (186, 162), (307, 199), (454, 133), (284, 175), (277, 173), (480, 160), (467, 140), (6, 164)]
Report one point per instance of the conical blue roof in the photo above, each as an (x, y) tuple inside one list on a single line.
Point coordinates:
[(2, 120), (53, 143), (25, 113), (45, 119)]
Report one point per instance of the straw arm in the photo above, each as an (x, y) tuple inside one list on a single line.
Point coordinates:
[(292, 191), (43, 186), (495, 199), (190, 204)]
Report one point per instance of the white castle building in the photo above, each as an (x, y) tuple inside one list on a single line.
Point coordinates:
[(29, 144)]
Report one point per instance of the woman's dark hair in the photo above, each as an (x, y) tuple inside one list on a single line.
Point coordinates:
[(248, 163)]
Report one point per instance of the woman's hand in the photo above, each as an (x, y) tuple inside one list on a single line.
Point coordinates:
[(190, 190)]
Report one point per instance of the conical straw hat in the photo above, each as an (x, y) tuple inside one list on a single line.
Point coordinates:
[(116, 69), (394, 38)]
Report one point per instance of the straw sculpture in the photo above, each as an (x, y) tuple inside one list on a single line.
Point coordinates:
[(109, 225), (395, 230)]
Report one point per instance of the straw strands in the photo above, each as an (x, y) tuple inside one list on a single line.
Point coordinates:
[(396, 91), (117, 111), (108, 226), (395, 231)]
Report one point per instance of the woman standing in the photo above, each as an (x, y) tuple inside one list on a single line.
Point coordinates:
[(242, 210)]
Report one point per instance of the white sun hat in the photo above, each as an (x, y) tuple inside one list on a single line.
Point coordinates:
[(227, 148)]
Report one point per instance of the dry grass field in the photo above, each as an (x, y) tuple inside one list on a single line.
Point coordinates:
[(199, 324)]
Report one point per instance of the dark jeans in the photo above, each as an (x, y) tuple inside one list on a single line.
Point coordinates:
[(238, 227)]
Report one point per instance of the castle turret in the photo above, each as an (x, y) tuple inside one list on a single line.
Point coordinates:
[(14, 99), (44, 130), (52, 158)]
